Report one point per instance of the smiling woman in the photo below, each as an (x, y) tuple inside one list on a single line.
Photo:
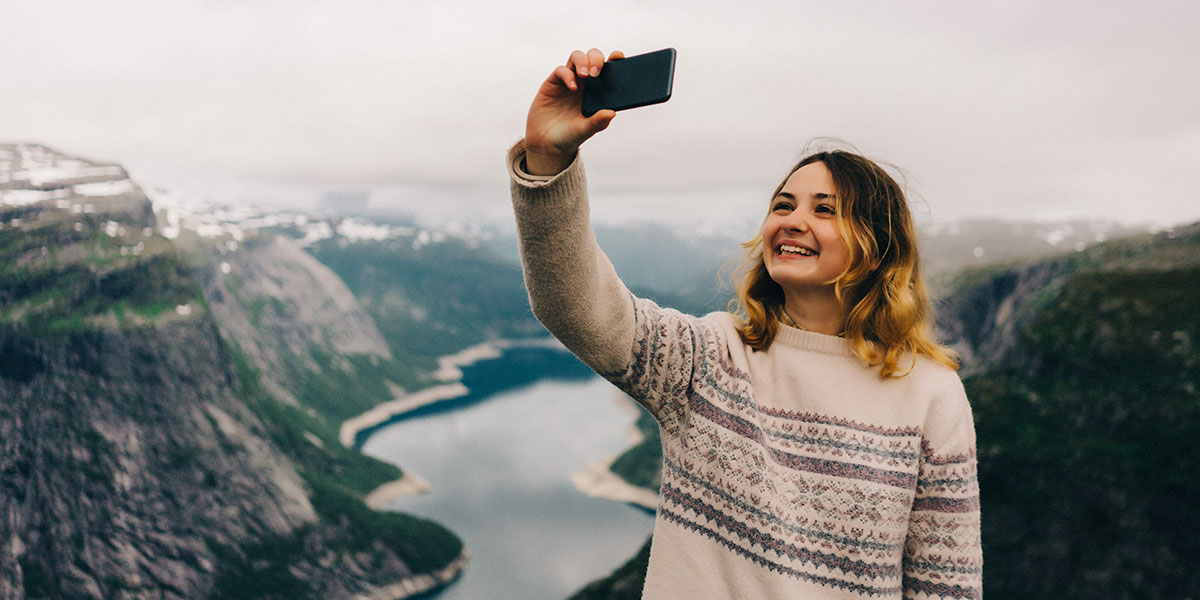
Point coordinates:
[(837, 254), (796, 463)]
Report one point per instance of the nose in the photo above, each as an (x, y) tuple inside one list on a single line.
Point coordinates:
[(795, 221)]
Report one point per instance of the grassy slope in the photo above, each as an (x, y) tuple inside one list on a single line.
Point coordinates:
[(1089, 442), (434, 300), (55, 279)]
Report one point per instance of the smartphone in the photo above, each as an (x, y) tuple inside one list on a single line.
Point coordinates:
[(630, 82)]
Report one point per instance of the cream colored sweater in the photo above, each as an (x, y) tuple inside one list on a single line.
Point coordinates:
[(792, 473)]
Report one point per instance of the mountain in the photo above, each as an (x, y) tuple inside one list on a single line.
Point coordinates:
[(949, 248), (162, 420), (1087, 409)]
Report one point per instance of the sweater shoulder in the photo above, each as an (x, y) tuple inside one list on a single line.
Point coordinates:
[(936, 376), (949, 423)]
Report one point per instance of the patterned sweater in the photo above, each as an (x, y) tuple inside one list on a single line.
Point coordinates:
[(791, 473)]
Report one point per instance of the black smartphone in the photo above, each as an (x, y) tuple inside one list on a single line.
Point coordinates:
[(630, 82)]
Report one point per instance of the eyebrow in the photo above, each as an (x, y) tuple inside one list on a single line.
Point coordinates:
[(816, 196)]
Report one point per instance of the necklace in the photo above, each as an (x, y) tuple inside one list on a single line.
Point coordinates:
[(787, 320)]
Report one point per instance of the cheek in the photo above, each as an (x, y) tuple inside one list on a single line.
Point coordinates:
[(767, 234), (837, 247), (769, 227)]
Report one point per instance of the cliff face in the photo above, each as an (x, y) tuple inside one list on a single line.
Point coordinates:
[(986, 309), (275, 303), (127, 458), (149, 449), (982, 320)]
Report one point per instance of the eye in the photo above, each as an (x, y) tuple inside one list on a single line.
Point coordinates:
[(781, 205), (826, 209)]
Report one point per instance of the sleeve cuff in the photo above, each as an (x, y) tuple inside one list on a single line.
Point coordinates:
[(520, 173)]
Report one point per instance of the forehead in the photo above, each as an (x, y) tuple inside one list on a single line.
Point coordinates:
[(813, 178)]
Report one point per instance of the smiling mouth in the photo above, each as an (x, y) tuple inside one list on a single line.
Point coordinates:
[(788, 250)]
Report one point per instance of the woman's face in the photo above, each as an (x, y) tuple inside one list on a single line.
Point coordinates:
[(802, 249)]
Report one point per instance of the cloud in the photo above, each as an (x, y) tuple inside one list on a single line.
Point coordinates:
[(1016, 109)]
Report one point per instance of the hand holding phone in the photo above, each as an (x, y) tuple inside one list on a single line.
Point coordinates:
[(556, 124), (630, 82)]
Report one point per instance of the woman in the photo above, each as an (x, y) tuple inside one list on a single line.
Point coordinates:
[(816, 445)]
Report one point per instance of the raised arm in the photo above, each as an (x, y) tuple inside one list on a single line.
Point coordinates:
[(573, 289), (647, 351)]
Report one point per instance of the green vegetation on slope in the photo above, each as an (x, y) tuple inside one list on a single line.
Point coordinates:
[(623, 584), (87, 291), (58, 278), (435, 300), (339, 478), (1089, 441), (287, 425), (641, 465)]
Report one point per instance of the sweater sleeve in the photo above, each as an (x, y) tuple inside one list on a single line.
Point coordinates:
[(943, 555), (574, 291)]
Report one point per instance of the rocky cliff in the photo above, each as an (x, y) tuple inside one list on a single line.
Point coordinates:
[(129, 462), (150, 448)]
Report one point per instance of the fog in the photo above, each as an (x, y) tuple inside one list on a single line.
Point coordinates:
[(1019, 110)]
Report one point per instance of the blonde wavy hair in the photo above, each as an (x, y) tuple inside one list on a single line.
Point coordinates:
[(887, 309)]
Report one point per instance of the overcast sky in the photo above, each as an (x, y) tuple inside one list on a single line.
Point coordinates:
[(1015, 109)]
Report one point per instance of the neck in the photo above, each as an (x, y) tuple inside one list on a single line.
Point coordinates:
[(819, 312)]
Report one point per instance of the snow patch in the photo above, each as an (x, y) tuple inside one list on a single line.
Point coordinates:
[(105, 188), (356, 230)]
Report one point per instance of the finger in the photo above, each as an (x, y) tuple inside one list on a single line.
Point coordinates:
[(578, 62), (616, 54), (566, 76), (595, 61)]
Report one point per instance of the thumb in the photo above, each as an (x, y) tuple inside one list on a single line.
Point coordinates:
[(598, 122)]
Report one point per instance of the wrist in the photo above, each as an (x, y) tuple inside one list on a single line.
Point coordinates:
[(540, 161)]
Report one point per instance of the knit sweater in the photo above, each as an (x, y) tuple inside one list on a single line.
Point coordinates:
[(795, 472)]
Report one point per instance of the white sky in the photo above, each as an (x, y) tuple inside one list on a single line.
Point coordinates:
[(1016, 109)]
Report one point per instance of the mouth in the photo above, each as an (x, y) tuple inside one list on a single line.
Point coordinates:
[(792, 250)]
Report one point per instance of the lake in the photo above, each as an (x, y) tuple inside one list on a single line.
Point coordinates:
[(500, 462)]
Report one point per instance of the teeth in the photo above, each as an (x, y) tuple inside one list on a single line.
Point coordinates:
[(785, 249)]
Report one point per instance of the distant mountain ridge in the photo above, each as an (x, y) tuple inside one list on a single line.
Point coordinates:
[(693, 272)]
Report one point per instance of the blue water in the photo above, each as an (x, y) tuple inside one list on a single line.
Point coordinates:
[(500, 464)]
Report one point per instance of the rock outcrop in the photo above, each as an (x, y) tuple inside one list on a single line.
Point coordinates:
[(148, 448)]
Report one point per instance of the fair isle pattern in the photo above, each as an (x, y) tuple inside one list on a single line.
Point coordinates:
[(858, 508)]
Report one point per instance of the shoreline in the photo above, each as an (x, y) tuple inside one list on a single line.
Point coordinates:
[(382, 413), (420, 584), (598, 481), (449, 370), (409, 484)]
